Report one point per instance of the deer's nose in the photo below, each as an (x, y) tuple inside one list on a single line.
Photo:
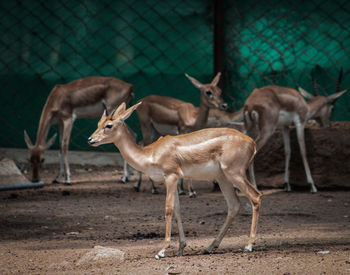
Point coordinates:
[(91, 140)]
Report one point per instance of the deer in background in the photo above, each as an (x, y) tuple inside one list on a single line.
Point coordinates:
[(162, 115), (217, 153), (82, 98), (218, 118), (274, 107)]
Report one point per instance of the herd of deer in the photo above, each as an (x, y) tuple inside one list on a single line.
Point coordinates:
[(181, 141)]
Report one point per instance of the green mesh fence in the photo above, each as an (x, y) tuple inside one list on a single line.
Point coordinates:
[(151, 44), (281, 42)]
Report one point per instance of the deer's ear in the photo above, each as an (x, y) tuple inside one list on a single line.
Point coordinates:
[(50, 141), (194, 81), (216, 79), (118, 111), (332, 98), (305, 93), (27, 140), (129, 111)]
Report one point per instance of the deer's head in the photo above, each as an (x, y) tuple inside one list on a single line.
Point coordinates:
[(108, 128), (325, 104), (36, 153), (210, 93)]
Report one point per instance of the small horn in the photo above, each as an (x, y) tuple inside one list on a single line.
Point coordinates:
[(337, 86), (105, 107), (314, 82)]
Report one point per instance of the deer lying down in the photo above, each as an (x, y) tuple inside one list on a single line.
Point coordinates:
[(220, 154)]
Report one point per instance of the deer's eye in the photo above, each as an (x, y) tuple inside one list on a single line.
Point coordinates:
[(209, 93), (109, 126)]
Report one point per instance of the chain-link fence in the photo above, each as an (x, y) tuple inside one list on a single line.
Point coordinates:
[(281, 42), (151, 44)]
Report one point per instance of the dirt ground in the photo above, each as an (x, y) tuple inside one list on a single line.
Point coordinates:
[(51, 230)]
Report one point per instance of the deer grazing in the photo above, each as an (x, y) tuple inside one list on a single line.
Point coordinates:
[(161, 115), (273, 106), (215, 153), (82, 98)]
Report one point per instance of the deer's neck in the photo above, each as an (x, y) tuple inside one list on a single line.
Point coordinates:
[(132, 153), (44, 126), (202, 118)]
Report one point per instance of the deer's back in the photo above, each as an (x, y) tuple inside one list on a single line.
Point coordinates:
[(276, 99)]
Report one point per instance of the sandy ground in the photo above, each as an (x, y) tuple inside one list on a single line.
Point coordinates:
[(50, 230)]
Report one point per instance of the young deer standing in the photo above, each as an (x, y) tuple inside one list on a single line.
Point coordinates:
[(161, 115), (222, 154), (274, 106), (82, 98)]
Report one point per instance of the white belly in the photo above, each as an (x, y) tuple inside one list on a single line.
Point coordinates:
[(165, 129), (206, 171), (286, 118), (156, 175)]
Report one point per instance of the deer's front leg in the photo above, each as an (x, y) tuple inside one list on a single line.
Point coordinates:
[(67, 129), (182, 239), (287, 151), (301, 141), (171, 193), (60, 156)]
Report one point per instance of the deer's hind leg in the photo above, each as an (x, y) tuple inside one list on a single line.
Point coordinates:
[(233, 206), (254, 197)]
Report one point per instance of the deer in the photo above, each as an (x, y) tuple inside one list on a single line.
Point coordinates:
[(218, 118), (82, 98), (162, 115), (272, 107), (222, 154)]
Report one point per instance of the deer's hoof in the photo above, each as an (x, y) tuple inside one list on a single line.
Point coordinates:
[(161, 254), (207, 251), (248, 248), (124, 180), (287, 187), (216, 188), (180, 253)]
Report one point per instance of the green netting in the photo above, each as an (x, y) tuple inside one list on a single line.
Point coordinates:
[(281, 42), (151, 44)]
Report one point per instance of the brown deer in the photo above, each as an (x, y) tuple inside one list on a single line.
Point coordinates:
[(272, 107), (162, 115), (82, 98), (220, 154)]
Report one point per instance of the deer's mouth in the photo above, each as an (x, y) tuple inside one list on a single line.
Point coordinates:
[(91, 141)]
